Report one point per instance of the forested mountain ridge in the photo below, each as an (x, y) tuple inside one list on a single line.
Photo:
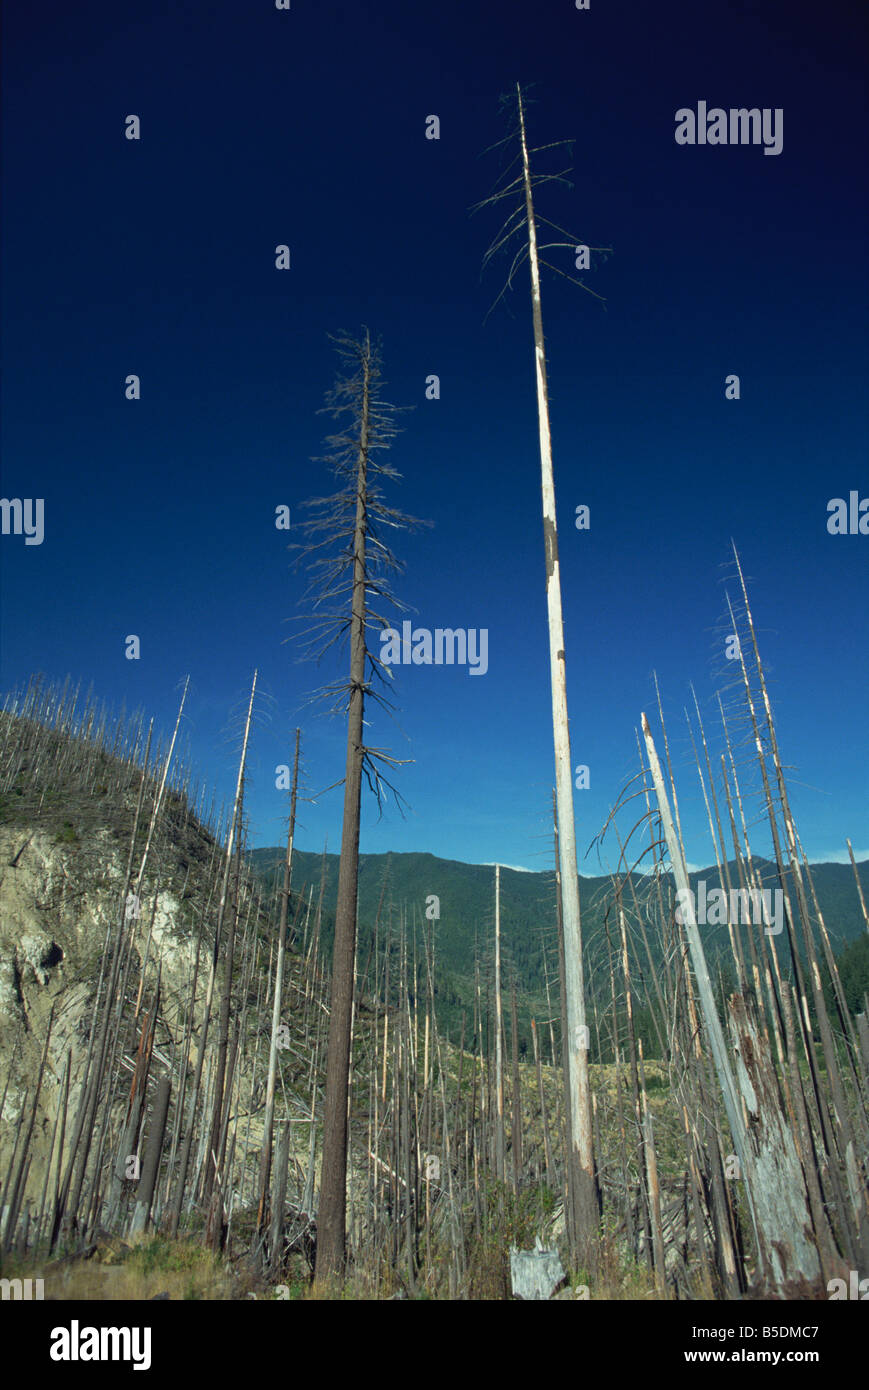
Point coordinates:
[(401, 886)]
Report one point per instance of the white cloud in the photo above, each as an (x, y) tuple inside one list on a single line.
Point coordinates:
[(667, 868), (840, 857), (517, 868)]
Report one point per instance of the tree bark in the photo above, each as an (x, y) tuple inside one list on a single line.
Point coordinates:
[(332, 1214), (585, 1198)]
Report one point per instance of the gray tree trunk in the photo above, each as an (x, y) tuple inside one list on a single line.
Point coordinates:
[(584, 1194)]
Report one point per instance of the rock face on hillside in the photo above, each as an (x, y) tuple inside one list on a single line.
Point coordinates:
[(60, 904), (79, 812)]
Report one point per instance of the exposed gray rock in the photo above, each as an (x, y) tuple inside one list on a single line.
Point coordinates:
[(535, 1274)]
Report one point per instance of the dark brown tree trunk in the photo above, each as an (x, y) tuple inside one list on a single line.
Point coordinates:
[(332, 1214), (151, 1166)]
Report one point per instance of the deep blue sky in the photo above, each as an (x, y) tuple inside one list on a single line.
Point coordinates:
[(308, 127)]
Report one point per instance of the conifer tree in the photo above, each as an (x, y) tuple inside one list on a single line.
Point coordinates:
[(350, 566)]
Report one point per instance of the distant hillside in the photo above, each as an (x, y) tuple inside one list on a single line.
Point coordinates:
[(465, 930)]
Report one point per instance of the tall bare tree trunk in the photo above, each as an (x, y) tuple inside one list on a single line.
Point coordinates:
[(499, 1033), (769, 1163), (151, 1166), (221, 1099), (268, 1122), (332, 1214), (517, 1098), (584, 1195), (175, 1213)]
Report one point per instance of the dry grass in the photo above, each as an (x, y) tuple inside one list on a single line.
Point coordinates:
[(181, 1269)]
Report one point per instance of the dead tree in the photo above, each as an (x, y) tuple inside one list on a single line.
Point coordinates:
[(153, 1152), (350, 566), (584, 1196), (768, 1159), (221, 1096), (499, 1034), (268, 1123), (175, 1213)]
